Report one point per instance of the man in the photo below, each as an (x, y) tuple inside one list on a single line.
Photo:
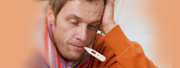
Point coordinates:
[(73, 25)]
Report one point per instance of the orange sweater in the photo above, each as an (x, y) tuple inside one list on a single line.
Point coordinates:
[(120, 52)]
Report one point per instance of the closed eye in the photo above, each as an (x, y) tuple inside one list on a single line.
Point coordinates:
[(93, 26), (75, 23)]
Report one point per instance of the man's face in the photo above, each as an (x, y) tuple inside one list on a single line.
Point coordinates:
[(76, 26)]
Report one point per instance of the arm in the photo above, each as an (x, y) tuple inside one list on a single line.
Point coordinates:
[(128, 54)]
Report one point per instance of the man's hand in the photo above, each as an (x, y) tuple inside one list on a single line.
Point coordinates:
[(108, 17)]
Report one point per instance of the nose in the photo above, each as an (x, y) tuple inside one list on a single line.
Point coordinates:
[(82, 33)]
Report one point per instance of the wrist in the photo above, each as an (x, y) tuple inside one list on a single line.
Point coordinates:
[(108, 27)]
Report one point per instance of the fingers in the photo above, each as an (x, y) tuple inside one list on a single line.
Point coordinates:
[(109, 9), (110, 2), (108, 17)]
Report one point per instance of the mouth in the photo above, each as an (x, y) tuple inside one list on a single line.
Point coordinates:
[(77, 47)]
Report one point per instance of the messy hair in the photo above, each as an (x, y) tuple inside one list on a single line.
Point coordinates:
[(56, 5)]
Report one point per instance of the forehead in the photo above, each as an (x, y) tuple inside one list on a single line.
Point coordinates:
[(86, 4), (84, 8)]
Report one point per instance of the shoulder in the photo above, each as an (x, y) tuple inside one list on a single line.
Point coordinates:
[(100, 45), (38, 61), (98, 41), (99, 37)]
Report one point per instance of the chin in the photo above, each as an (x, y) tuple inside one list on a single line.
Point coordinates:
[(75, 57)]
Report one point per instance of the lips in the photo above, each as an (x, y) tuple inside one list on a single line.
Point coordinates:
[(77, 47)]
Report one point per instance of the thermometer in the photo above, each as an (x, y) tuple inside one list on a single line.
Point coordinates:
[(95, 54)]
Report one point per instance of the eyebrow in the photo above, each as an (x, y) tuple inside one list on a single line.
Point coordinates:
[(75, 16), (97, 21)]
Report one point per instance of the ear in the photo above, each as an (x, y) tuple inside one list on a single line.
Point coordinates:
[(50, 15)]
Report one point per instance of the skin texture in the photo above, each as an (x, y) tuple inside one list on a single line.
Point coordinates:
[(108, 17), (77, 24)]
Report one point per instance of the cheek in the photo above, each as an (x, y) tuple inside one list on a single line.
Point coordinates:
[(91, 35), (64, 31), (62, 34)]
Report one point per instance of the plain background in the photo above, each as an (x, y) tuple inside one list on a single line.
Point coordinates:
[(155, 21)]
